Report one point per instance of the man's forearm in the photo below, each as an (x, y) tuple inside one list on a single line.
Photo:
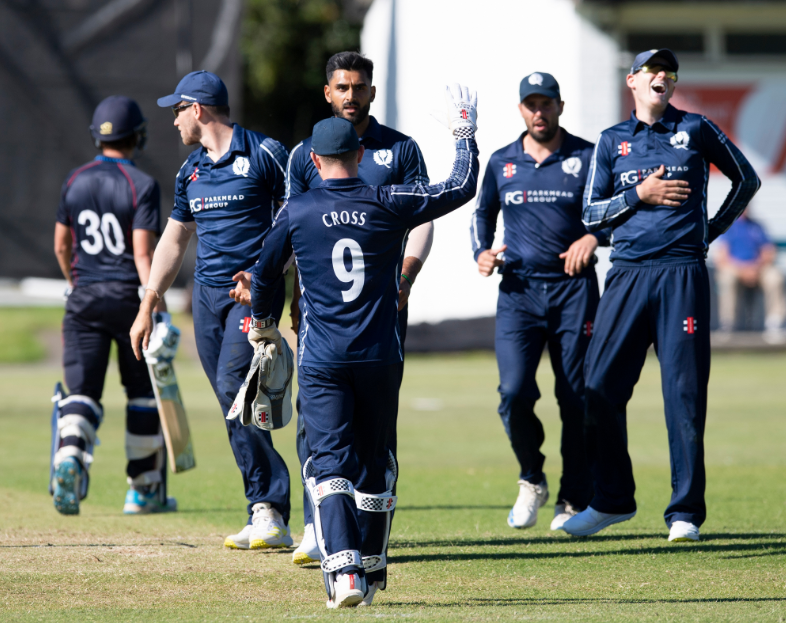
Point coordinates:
[(411, 267), (419, 243), (169, 256), (64, 260)]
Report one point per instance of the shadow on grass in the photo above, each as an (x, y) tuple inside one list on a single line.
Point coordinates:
[(563, 539), (173, 544), (535, 601), (462, 507), (761, 549)]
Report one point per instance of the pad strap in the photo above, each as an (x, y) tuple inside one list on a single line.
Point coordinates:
[(142, 404), (334, 486), (374, 563), (347, 558), (375, 503), (74, 425), (142, 446), (146, 478), (95, 408), (85, 458)]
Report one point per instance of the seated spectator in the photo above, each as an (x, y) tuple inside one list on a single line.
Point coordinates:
[(745, 256)]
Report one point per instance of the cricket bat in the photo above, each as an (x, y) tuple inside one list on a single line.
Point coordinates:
[(174, 423)]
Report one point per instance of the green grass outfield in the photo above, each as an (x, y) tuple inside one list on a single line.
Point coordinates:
[(453, 558)]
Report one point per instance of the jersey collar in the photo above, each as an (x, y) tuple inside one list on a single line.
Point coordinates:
[(667, 121), (516, 149), (373, 131), (239, 144), (102, 158), (343, 182)]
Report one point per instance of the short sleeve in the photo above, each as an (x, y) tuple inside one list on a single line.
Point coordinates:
[(273, 163), (181, 211), (148, 211), (63, 213)]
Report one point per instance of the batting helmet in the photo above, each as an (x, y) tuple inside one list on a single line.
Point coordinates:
[(118, 117)]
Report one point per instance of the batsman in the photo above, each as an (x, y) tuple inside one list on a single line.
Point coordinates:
[(107, 223)]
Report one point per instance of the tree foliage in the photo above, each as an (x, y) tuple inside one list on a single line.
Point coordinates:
[(286, 44)]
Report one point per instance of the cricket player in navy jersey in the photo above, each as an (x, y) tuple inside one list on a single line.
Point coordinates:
[(228, 191), (648, 181), (548, 294), (107, 224), (350, 353), (391, 158)]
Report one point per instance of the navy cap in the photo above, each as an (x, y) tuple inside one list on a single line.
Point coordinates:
[(202, 87), (539, 83), (334, 136), (116, 117), (667, 56)]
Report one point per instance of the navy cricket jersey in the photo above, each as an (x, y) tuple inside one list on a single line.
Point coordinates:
[(233, 202), (347, 238), (686, 144), (102, 202), (391, 158), (541, 206)]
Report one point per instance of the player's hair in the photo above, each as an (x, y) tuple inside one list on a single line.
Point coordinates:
[(349, 61), (122, 144), (217, 111), (346, 158)]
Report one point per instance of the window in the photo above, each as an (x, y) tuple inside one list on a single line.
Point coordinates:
[(689, 42), (755, 43)]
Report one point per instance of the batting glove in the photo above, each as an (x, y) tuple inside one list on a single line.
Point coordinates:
[(462, 111)]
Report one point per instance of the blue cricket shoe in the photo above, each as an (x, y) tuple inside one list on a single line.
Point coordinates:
[(68, 476), (146, 501)]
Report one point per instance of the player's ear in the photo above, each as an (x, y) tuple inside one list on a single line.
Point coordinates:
[(361, 151), (373, 93), (315, 160), (327, 94), (630, 80), (522, 109), (561, 108)]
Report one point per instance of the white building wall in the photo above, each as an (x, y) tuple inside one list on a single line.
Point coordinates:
[(489, 46)]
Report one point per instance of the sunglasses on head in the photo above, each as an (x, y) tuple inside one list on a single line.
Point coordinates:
[(176, 109), (656, 69)]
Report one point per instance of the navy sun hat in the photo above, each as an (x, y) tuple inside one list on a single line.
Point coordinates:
[(539, 83), (201, 87), (667, 56), (116, 117), (334, 136)]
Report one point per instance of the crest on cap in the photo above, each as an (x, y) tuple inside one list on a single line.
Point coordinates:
[(105, 128), (536, 78)]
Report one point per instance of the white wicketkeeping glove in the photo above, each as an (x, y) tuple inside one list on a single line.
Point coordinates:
[(256, 337), (462, 111)]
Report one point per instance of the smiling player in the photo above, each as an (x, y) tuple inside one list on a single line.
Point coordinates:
[(648, 181)]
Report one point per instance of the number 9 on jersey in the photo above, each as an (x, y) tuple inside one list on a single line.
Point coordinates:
[(357, 275)]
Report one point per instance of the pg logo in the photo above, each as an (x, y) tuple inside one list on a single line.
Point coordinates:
[(629, 177), (517, 197)]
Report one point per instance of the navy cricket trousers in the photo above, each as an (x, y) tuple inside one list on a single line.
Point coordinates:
[(666, 304), (347, 413), (301, 444), (221, 331), (532, 314)]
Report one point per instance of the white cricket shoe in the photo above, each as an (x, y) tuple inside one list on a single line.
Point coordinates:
[(683, 531), (268, 528), (524, 513), (240, 540), (590, 521), (370, 594), (562, 512), (349, 591), (308, 550)]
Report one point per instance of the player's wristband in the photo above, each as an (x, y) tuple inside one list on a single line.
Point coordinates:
[(409, 281), (262, 324)]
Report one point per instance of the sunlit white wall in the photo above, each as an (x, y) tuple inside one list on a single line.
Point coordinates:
[(489, 46)]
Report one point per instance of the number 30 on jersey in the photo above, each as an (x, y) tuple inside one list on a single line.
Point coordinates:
[(357, 275), (108, 224)]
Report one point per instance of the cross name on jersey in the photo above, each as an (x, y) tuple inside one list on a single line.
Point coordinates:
[(518, 197), (344, 218)]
